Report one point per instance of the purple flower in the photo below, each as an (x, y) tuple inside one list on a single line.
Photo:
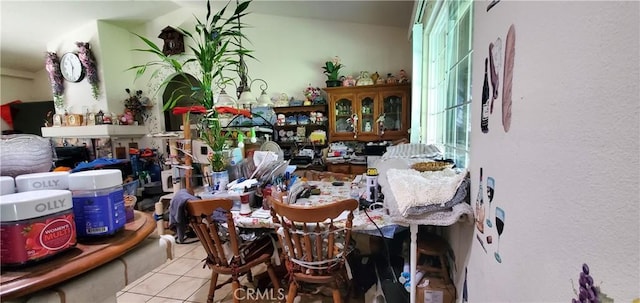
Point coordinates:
[(52, 65), (89, 62)]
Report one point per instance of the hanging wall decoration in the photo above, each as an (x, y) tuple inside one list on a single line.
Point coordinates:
[(492, 4), (52, 65), (89, 63), (509, 55), (173, 41), (495, 53)]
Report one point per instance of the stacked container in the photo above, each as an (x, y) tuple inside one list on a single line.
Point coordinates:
[(98, 202), (35, 225)]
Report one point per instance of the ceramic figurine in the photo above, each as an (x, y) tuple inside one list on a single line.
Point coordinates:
[(391, 79), (364, 79), (402, 77), (281, 119), (374, 77), (349, 81), (380, 122), (367, 126)]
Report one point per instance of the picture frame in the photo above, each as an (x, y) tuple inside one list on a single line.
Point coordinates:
[(91, 119), (57, 120)]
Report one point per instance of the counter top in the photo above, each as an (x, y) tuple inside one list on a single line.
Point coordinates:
[(17, 282)]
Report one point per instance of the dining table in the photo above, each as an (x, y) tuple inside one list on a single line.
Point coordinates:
[(373, 221)]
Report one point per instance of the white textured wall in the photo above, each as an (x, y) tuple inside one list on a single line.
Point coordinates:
[(567, 173), (77, 96)]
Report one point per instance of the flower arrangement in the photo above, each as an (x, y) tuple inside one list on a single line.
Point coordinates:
[(211, 51), (332, 67), (89, 63), (52, 65), (134, 104), (311, 92)]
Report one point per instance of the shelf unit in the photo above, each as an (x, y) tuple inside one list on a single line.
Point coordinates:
[(292, 148), (95, 131)]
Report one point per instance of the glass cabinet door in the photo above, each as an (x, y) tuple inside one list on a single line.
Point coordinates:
[(367, 113), (344, 109), (392, 107)]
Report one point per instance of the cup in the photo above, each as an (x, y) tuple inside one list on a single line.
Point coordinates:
[(129, 205)]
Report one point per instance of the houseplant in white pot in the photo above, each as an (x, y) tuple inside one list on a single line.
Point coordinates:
[(215, 48)]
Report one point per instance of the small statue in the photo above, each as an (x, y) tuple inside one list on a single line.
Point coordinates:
[(380, 122), (349, 81), (374, 77), (402, 77), (391, 79), (364, 79)]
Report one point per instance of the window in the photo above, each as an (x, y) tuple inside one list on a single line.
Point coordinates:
[(446, 69)]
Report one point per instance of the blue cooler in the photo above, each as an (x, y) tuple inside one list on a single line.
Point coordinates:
[(98, 202)]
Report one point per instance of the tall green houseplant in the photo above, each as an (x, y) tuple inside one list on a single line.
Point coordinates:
[(216, 48)]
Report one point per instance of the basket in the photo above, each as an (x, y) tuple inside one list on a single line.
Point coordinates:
[(431, 166)]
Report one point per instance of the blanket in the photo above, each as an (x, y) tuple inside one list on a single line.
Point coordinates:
[(412, 188), (178, 213)]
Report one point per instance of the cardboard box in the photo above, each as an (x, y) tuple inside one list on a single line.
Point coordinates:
[(434, 290)]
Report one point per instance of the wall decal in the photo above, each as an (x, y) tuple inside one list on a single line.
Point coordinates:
[(465, 291), (480, 207), (509, 55), (495, 53), (484, 121), (492, 4), (491, 185), (481, 243), (499, 229)]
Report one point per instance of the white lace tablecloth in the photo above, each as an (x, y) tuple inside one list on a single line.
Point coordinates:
[(328, 194), (459, 212)]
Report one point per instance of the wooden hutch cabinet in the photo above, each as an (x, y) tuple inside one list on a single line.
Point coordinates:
[(369, 103)]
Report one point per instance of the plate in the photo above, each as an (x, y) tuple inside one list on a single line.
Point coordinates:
[(273, 147)]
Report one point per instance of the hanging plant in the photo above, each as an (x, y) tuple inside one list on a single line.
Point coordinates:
[(89, 63), (52, 65)]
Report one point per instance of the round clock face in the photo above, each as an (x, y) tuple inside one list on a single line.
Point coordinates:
[(71, 68)]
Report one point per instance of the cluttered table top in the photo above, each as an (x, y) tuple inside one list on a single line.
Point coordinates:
[(411, 196), (363, 220)]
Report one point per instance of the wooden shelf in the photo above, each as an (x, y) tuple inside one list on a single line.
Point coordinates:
[(293, 126), (95, 131), (294, 109)]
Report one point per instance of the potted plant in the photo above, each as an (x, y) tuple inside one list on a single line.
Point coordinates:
[(215, 46), (331, 69)]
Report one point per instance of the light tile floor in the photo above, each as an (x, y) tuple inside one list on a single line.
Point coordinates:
[(184, 280)]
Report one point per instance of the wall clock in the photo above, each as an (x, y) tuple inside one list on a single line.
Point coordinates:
[(71, 67)]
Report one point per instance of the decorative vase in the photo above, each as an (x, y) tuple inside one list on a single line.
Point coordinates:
[(333, 83), (219, 180)]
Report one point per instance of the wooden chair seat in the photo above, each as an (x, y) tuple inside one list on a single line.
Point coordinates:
[(239, 259), (315, 249)]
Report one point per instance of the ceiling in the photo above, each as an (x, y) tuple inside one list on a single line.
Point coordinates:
[(27, 26)]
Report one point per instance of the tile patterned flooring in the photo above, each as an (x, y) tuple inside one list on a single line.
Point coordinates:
[(184, 280)]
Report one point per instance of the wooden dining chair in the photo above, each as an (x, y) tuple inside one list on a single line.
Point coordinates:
[(315, 248), (240, 258)]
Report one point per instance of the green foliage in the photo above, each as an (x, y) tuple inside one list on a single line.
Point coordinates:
[(215, 47)]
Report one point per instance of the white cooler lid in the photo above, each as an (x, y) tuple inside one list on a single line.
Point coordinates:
[(33, 204), (7, 185), (42, 181), (95, 179)]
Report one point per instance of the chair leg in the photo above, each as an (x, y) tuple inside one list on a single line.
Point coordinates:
[(234, 286), (212, 286), (273, 277), (293, 290), (250, 276), (337, 297)]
